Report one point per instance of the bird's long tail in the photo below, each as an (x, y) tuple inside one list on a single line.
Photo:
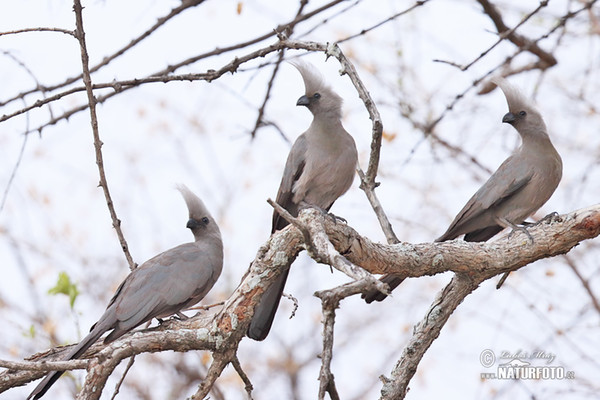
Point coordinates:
[(267, 307), (76, 352), (375, 295)]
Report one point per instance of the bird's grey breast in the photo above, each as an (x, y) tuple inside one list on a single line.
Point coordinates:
[(330, 166)]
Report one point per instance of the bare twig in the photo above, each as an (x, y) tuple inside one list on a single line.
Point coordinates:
[(326, 379), (543, 63), (87, 80), (238, 368), (292, 221), (384, 222), (159, 76), (584, 282), (208, 307), (13, 173), (122, 379), (510, 34), (106, 60), (261, 111), (220, 361), (364, 31), (44, 366), (40, 29)]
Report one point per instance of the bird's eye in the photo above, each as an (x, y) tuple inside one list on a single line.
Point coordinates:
[(205, 220), (317, 95), (522, 113)]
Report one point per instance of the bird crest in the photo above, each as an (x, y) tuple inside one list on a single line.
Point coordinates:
[(195, 206), (330, 103), (313, 80), (515, 99)]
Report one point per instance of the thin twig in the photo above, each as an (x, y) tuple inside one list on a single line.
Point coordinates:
[(261, 111), (368, 183), (106, 60), (220, 361), (87, 80), (208, 307), (526, 46), (41, 29), (384, 222), (364, 31), (584, 282), (122, 379), (329, 304), (247, 383), (505, 33), (13, 173)]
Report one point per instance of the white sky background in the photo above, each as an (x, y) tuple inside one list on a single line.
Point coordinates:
[(55, 218)]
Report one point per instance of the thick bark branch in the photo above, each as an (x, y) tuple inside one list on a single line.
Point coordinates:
[(487, 259), (220, 332)]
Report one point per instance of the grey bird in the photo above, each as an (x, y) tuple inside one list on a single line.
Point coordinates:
[(521, 185), (320, 168), (162, 286)]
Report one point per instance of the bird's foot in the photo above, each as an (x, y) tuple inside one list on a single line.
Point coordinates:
[(523, 230), (552, 217), (333, 217), (336, 218)]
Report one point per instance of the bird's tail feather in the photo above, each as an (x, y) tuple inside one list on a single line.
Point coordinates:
[(375, 295), (267, 307), (76, 352)]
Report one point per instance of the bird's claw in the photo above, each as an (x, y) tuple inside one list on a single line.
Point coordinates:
[(552, 217), (523, 230), (327, 214), (336, 218)]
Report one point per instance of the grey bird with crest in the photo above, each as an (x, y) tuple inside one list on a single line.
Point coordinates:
[(162, 286), (522, 184), (320, 168)]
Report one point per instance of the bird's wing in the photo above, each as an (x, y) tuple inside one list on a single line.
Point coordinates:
[(294, 167), (163, 285), (501, 186)]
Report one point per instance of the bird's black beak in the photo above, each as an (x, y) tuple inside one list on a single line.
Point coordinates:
[(509, 118), (192, 223), (303, 101)]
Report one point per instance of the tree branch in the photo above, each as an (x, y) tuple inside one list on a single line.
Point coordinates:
[(222, 331), (425, 333), (87, 80)]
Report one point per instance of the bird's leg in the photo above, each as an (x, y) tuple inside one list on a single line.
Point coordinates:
[(501, 281), (503, 222)]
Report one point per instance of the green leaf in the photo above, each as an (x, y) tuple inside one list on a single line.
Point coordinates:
[(30, 333), (66, 287)]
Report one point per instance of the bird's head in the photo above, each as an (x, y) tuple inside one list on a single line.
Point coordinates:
[(318, 97), (200, 222), (522, 114)]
